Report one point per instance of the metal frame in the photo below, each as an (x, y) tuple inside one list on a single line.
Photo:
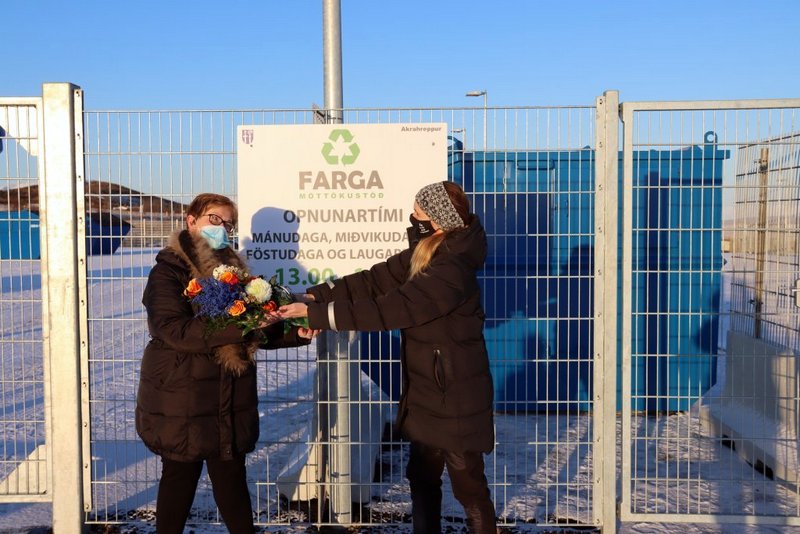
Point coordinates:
[(62, 104), (605, 311), (83, 301), (627, 115)]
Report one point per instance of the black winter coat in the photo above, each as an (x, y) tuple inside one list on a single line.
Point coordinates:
[(189, 406), (447, 386)]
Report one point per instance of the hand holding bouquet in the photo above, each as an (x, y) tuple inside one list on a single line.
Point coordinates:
[(233, 296)]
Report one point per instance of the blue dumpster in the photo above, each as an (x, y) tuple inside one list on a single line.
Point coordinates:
[(19, 235), (538, 283), (538, 286), (104, 233), (677, 260)]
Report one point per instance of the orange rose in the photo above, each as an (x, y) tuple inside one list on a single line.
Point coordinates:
[(193, 288), (229, 278), (237, 308), (270, 306)]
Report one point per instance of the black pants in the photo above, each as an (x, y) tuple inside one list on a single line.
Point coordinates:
[(178, 485), (424, 473)]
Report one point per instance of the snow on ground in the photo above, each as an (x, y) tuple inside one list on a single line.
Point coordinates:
[(540, 470)]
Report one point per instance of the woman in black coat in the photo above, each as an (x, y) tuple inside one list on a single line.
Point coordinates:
[(431, 293), (197, 398)]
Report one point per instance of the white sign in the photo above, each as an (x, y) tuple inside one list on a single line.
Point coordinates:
[(321, 201)]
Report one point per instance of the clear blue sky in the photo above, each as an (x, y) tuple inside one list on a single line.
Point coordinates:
[(170, 54)]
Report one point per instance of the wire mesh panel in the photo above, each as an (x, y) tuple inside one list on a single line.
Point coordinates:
[(535, 196), (142, 169), (710, 332), (23, 428), (765, 244), (529, 175)]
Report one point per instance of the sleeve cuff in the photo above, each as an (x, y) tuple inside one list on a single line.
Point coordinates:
[(321, 315)]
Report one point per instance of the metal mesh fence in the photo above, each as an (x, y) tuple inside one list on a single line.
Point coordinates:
[(23, 430), (529, 175), (711, 396), (709, 295), (764, 243), (710, 331)]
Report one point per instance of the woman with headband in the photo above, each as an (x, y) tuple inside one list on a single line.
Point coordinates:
[(430, 292)]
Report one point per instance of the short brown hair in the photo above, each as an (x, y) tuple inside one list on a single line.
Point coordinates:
[(203, 201)]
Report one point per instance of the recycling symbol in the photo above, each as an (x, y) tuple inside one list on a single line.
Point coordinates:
[(328, 148)]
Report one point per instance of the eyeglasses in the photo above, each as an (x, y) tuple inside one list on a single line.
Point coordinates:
[(216, 220)]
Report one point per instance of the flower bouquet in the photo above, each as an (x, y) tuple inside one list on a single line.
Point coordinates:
[(233, 296)]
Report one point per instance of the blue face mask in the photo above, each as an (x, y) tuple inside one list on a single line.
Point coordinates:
[(215, 236)]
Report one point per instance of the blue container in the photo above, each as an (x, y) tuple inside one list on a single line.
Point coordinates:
[(538, 286), (676, 282), (104, 233), (19, 235)]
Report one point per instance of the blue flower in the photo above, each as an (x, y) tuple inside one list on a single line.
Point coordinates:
[(215, 298)]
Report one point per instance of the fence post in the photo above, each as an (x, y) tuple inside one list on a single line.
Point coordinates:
[(341, 372), (62, 103), (605, 311), (346, 374)]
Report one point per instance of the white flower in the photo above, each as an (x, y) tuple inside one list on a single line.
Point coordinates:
[(259, 289), (222, 268)]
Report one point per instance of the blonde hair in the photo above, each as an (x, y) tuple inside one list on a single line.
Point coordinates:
[(422, 255), (426, 248)]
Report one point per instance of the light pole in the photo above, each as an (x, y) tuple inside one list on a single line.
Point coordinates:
[(485, 115), (332, 59)]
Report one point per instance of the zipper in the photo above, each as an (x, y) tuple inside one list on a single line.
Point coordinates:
[(438, 374)]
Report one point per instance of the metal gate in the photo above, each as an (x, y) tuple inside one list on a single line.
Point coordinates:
[(711, 330), (24, 466), (41, 307), (530, 175)]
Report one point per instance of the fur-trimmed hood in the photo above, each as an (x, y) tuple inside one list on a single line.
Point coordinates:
[(201, 260)]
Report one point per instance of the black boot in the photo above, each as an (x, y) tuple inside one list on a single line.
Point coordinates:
[(424, 472), (426, 511)]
